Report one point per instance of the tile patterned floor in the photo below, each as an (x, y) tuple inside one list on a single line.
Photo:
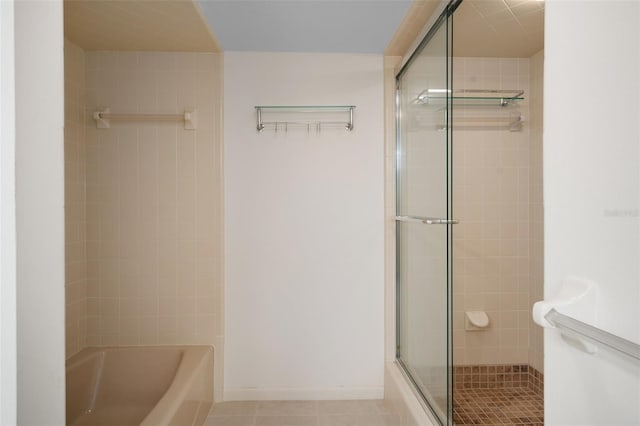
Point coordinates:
[(508, 406), (303, 413)]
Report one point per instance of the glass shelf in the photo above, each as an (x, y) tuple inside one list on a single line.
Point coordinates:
[(307, 107), (328, 115), (471, 97)]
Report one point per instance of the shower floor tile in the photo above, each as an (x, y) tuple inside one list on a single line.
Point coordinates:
[(508, 406)]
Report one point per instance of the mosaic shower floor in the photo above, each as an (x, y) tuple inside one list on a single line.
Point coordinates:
[(508, 406)]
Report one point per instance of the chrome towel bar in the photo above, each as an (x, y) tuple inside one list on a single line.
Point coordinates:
[(577, 296), (593, 334)]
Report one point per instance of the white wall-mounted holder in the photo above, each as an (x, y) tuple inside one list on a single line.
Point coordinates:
[(476, 320), (576, 300), (572, 311), (103, 118)]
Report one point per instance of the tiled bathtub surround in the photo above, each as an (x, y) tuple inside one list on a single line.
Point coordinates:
[(143, 202), (75, 212), (154, 213)]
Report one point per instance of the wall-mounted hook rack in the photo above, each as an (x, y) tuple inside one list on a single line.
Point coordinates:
[(329, 116)]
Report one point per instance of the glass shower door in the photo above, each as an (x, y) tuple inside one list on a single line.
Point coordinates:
[(424, 221)]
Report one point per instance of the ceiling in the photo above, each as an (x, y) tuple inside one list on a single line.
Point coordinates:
[(174, 25), (352, 26), (484, 28), (498, 28)]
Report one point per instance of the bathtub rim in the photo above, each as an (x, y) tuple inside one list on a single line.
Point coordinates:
[(194, 358)]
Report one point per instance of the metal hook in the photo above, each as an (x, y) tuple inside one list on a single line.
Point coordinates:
[(259, 125)]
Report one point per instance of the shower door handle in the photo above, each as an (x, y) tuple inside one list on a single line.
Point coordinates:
[(426, 220)]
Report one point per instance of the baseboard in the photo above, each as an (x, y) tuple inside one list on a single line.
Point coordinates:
[(301, 394)]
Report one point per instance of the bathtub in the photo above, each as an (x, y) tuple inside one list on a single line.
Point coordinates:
[(146, 386)]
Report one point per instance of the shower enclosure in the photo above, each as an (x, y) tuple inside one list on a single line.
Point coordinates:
[(424, 221), (468, 371)]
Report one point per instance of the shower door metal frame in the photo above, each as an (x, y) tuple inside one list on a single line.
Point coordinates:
[(445, 18)]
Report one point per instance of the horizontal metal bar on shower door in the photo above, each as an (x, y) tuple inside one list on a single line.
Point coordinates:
[(426, 220), (593, 334)]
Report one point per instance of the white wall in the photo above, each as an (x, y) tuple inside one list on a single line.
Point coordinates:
[(39, 210), (591, 194), (7, 218), (303, 231)]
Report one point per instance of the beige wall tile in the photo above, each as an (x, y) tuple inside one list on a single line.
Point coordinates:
[(157, 189), (492, 199), (143, 201), (536, 225), (75, 213)]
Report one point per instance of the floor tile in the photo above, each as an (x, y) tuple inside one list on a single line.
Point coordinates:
[(378, 420), (234, 408), (359, 420), (304, 413), (230, 421), (377, 406), (287, 421), (341, 407), (287, 408), (338, 420)]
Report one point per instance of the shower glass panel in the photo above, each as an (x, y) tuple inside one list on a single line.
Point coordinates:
[(423, 222)]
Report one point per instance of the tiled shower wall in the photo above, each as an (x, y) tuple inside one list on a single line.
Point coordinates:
[(75, 218), (154, 217), (491, 200), (536, 224)]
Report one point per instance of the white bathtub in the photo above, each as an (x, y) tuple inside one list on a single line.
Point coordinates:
[(147, 386)]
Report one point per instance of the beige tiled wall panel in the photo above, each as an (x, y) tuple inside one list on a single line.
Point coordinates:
[(491, 243), (536, 225), (75, 217), (154, 217)]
